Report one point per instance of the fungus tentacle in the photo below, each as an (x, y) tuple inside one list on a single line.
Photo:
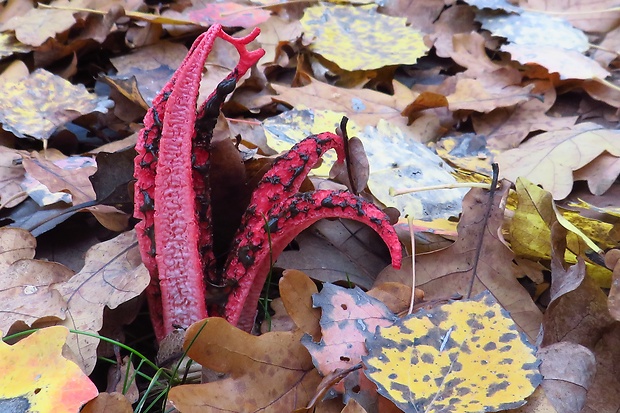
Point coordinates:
[(277, 202), (250, 262)]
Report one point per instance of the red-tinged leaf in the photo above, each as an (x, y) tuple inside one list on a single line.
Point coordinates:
[(227, 14), (349, 317), (37, 378)]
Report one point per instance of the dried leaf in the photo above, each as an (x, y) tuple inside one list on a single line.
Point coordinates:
[(272, 372), (441, 274), (550, 158), (569, 64), (113, 274), (37, 25), (349, 317), (534, 29)]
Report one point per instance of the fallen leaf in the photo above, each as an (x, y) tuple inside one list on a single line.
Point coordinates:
[(600, 16), (337, 251), (562, 378), (578, 314), (488, 92), (271, 373), (11, 177), (535, 29), (441, 274), (532, 223), (113, 274), (296, 290), (36, 377), (228, 14), (108, 402), (37, 106), (364, 107), (37, 25), (506, 128), (465, 356), (28, 290), (612, 261), (151, 66), (396, 159), (358, 38), (9, 45), (549, 159), (349, 317), (569, 64), (72, 175), (454, 20)]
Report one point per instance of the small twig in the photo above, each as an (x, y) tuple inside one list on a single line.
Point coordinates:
[(455, 185), (412, 235), (487, 214)]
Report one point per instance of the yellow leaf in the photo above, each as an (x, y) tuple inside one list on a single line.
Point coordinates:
[(359, 38), (36, 378), (465, 356), (38, 105), (530, 229), (291, 127)]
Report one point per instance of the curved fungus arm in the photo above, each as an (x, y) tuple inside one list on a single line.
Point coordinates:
[(250, 261)]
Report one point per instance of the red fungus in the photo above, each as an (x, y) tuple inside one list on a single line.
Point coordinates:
[(250, 261), (278, 213), (172, 197), (172, 235)]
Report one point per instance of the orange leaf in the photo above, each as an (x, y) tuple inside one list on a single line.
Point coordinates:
[(273, 372), (35, 376)]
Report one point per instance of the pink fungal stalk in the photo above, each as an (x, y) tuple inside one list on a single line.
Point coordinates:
[(172, 198)]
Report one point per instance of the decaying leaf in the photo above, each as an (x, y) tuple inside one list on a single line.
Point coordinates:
[(337, 251), (357, 38), (113, 274), (349, 317), (450, 271), (578, 314), (37, 106), (570, 64), (396, 159), (534, 29), (272, 372), (465, 356), (37, 378), (550, 158), (39, 291)]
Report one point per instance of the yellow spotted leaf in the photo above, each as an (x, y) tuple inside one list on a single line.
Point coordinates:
[(359, 38), (37, 378), (465, 356), (38, 105), (288, 128)]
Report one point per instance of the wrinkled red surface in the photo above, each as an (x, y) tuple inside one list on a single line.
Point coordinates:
[(165, 196)]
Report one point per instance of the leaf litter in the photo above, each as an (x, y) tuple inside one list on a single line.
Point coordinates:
[(423, 76)]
